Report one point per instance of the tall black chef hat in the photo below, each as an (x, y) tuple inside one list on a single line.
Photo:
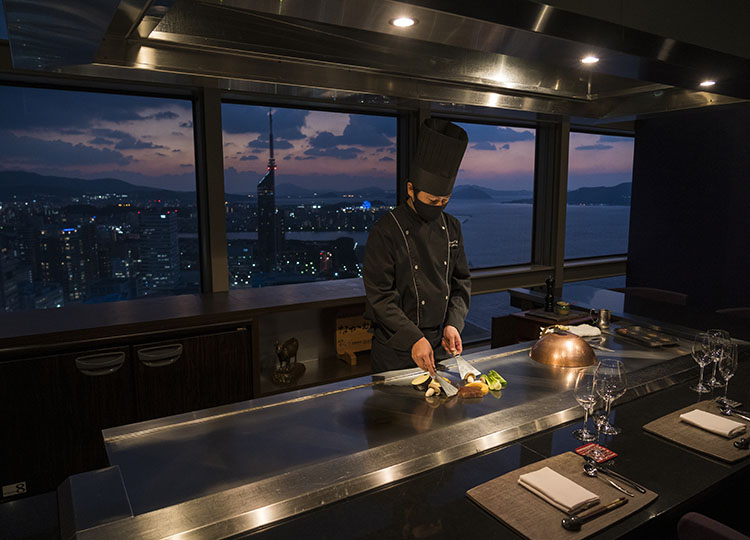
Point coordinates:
[(440, 149)]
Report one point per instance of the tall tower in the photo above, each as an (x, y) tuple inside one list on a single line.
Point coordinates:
[(268, 219)]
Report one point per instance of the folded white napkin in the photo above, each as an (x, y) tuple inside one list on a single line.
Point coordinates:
[(556, 489), (713, 423), (585, 330)]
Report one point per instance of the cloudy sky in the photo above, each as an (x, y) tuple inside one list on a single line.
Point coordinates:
[(149, 141)]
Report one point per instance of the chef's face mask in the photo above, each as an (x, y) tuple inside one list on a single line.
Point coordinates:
[(427, 212)]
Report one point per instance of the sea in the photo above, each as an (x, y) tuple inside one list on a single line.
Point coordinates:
[(499, 234)]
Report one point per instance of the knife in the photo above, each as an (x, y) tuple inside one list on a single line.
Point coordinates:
[(574, 523), (602, 469)]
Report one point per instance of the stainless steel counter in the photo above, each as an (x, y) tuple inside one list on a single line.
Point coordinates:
[(224, 471)]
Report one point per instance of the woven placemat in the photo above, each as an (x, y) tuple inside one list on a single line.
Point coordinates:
[(670, 427), (534, 518)]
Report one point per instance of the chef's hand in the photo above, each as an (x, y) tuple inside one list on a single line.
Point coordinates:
[(421, 353), (452, 340)]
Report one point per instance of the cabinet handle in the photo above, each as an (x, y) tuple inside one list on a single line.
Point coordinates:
[(162, 355), (100, 364)]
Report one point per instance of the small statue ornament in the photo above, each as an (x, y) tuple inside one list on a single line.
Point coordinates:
[(289, 369)]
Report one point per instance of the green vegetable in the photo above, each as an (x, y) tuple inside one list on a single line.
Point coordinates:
[(494, 380)]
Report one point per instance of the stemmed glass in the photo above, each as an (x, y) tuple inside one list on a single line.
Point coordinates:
[(611, 384), (585, 394), (719, 338), (728, 365), (701, 352), (600, 417)]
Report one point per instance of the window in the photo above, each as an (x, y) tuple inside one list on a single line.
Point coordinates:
[(603, 283), (600, 173), (3, 28), (478, 324), (97, 198), (493, 195), (300, 203)]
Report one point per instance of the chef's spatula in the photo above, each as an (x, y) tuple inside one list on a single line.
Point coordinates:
[(465, 368), (445, 384)]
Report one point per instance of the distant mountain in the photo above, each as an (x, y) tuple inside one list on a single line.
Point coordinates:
[(469, 192), (293, 191), (618, 195), (472, 191), (27, 184)]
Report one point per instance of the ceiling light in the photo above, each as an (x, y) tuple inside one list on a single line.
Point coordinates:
[(708, 83), (403, 22), (589, 59)]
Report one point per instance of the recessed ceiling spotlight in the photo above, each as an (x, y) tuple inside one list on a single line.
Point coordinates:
[(589, 59), (708, 83), (403, 22)]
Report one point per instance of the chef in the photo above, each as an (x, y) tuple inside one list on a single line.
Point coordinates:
[(416, 278)]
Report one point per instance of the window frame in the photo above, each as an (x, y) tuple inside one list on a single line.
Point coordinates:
[(595, 259), (408, 117), (234, 99)]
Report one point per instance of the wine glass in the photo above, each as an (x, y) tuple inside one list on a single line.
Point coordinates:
[(611, 384), (600, 417), (585, 394), (701, 353), (718, 339), (728, 365)]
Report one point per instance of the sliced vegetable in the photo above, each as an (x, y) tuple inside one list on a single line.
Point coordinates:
[(494, 380), (479, 384), (434, 389), (421, 382)]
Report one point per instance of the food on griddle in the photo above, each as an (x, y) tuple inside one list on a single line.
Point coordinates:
[(434, 389), (470, 392), (421, 382), (479, 384), (494, 380)]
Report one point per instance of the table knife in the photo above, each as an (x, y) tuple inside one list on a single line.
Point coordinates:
[(620, 477)]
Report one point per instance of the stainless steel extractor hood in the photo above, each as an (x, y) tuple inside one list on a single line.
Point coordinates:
[(515, 54)]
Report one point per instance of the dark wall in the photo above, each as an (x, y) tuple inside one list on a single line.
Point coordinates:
[(690, 213)]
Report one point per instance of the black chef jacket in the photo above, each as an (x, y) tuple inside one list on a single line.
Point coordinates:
[(416, 279)]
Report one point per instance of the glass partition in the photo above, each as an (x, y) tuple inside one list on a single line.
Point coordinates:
[(494, 195), (600, 173), (97, 198), (303, 188), (3, 27)]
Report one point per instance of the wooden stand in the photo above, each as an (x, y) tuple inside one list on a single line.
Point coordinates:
[(352, 336)]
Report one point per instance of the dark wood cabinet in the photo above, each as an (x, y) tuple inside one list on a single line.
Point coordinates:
[(182, 375), (53, 410)]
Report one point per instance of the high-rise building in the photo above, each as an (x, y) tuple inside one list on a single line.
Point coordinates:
[(160, 255), (9, 294), (62, 261), (269, 221)]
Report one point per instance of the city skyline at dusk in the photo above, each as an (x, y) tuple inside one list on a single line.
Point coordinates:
[(149, 141)]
